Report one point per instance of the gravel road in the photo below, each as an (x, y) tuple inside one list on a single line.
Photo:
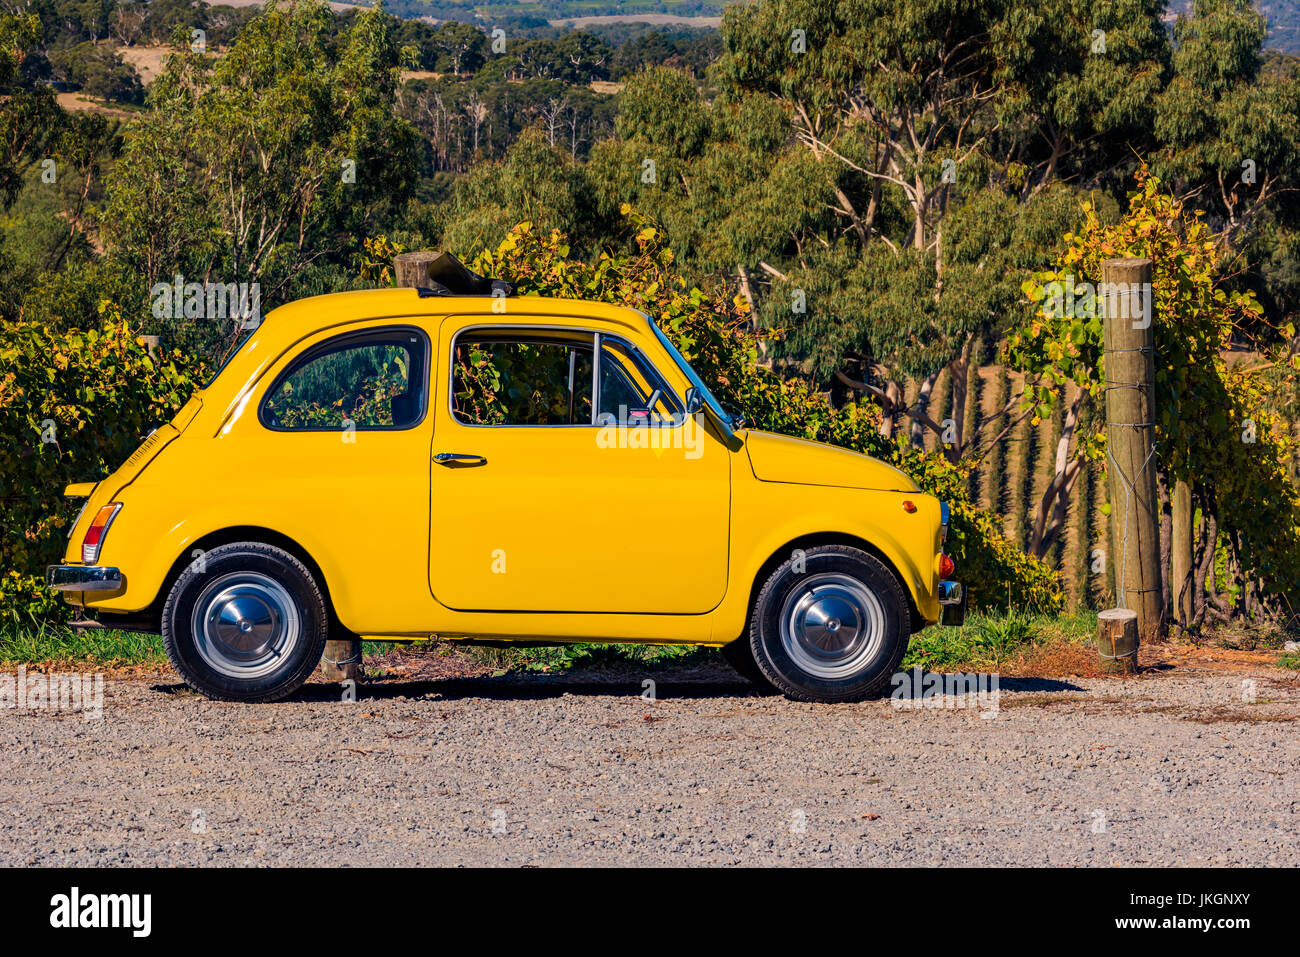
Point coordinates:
[(1166, 768)]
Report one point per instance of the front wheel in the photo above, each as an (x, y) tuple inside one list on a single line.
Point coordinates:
[(245, 622), (831, 626)]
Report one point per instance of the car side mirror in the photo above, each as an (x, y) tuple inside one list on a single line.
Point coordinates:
[(694, 400)]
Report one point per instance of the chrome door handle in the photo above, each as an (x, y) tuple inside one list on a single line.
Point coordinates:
[(459, 458)]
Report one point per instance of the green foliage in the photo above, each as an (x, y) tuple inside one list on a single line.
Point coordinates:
[(997, 572), (547, 659), (29, 121), (73, 406), (1213, 427), (356, 385), (535, 183), (46, 233), (1001, 636), (660, 105)]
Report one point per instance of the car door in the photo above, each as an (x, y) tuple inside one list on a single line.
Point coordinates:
[(548, 498), (338, 452)]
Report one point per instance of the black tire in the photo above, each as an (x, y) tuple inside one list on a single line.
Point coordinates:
[(831, 596), (742, 662), (261, 619)]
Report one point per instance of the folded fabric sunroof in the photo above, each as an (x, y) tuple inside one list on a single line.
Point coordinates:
[(448, 276)]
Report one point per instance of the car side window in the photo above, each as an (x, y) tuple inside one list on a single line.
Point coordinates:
[(630, 387), (370, 381), (504, 379)]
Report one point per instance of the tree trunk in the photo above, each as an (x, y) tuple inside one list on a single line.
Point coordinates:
[(1053, 507), (922, 404), (960, 382), (1166, 542), (1180, 575), (1203, 585)]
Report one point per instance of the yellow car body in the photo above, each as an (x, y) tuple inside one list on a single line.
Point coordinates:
[(558, 534)]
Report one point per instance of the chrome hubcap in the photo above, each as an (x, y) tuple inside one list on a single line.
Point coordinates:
[(832, 626), (244, 624)]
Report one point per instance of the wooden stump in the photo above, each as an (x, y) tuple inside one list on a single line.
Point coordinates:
[(411, 270), (342, 660), (1117, 640)]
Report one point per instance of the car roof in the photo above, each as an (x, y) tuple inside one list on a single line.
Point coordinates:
[(295, 321), (305, 316)]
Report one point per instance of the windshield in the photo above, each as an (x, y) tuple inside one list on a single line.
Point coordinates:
[(692, 375)]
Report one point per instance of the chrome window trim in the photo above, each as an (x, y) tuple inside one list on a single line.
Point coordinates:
[(597, 337), (668, 396), (595, 377), (688, 372), (423, 349)]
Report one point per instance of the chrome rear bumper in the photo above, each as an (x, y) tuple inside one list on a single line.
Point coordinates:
[(950, 593), (83, 578), (952, 601)]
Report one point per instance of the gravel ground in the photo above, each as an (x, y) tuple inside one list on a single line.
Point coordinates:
[(1171, 767)]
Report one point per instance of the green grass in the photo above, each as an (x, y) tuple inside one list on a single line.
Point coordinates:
[(1289, 661), (44, 643), (986, 639), (551, 659)]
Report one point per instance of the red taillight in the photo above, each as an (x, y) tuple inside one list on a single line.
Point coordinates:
[(946, 566), (98, 531)]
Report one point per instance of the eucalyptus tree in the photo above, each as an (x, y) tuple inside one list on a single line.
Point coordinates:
[(29, 126), (29, 116), (254, 166), (536, 183), (1229, 128), (937, 126)]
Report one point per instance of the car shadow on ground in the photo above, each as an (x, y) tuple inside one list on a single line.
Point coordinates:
[(1037, 685), (541, 687), (505, 689)]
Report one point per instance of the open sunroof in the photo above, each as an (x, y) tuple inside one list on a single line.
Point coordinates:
[(448, 276)]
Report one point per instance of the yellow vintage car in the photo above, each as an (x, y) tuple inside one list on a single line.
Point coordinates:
[(401, 465)]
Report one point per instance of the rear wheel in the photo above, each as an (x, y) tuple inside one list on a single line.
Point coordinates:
[(245, 622), (831, 627)]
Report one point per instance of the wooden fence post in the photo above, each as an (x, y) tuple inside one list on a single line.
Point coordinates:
[(1130, 440)]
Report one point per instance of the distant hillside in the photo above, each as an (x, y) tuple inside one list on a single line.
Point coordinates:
[(1283, 15), (1283, 24), (1283, 18)]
